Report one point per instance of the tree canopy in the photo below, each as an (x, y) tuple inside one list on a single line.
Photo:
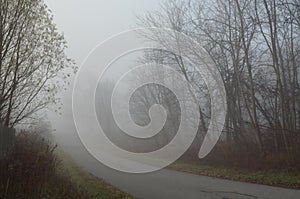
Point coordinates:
[(32, 58)]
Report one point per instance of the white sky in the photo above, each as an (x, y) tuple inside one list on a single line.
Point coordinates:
[(87, 23)]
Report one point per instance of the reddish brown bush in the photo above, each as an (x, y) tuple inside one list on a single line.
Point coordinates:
[(244, 154)]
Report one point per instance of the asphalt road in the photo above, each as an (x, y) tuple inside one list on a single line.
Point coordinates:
[(167, 184)]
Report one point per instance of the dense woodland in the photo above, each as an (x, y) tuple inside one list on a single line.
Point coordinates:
[(256, 47)]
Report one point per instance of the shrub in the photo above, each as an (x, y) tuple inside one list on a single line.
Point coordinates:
[(31, 171)]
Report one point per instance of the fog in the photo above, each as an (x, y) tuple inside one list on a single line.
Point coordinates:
[(143, 93), (85, 24)]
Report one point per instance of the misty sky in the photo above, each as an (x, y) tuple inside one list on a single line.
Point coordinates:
[(85, 24)]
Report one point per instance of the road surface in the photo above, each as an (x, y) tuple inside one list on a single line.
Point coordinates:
[(167, 184)]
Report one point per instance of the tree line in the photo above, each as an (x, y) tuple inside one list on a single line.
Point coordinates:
[(256, 46)]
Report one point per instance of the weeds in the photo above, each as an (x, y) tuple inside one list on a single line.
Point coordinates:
[(31, 172)]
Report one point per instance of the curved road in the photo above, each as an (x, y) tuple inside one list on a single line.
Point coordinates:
[(167, 184)]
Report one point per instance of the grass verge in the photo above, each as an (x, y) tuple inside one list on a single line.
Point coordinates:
[(273, 178), (96, 188)]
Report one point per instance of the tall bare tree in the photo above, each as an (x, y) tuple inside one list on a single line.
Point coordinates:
[(255, 45)]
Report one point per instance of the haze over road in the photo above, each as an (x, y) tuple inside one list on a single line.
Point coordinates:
[(167, 184)]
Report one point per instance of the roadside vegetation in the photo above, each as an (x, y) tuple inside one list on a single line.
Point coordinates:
[(95, 187), (267, 177), (37, 170), (240, 162)]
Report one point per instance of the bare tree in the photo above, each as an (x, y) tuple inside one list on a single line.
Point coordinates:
[(255, 45)]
